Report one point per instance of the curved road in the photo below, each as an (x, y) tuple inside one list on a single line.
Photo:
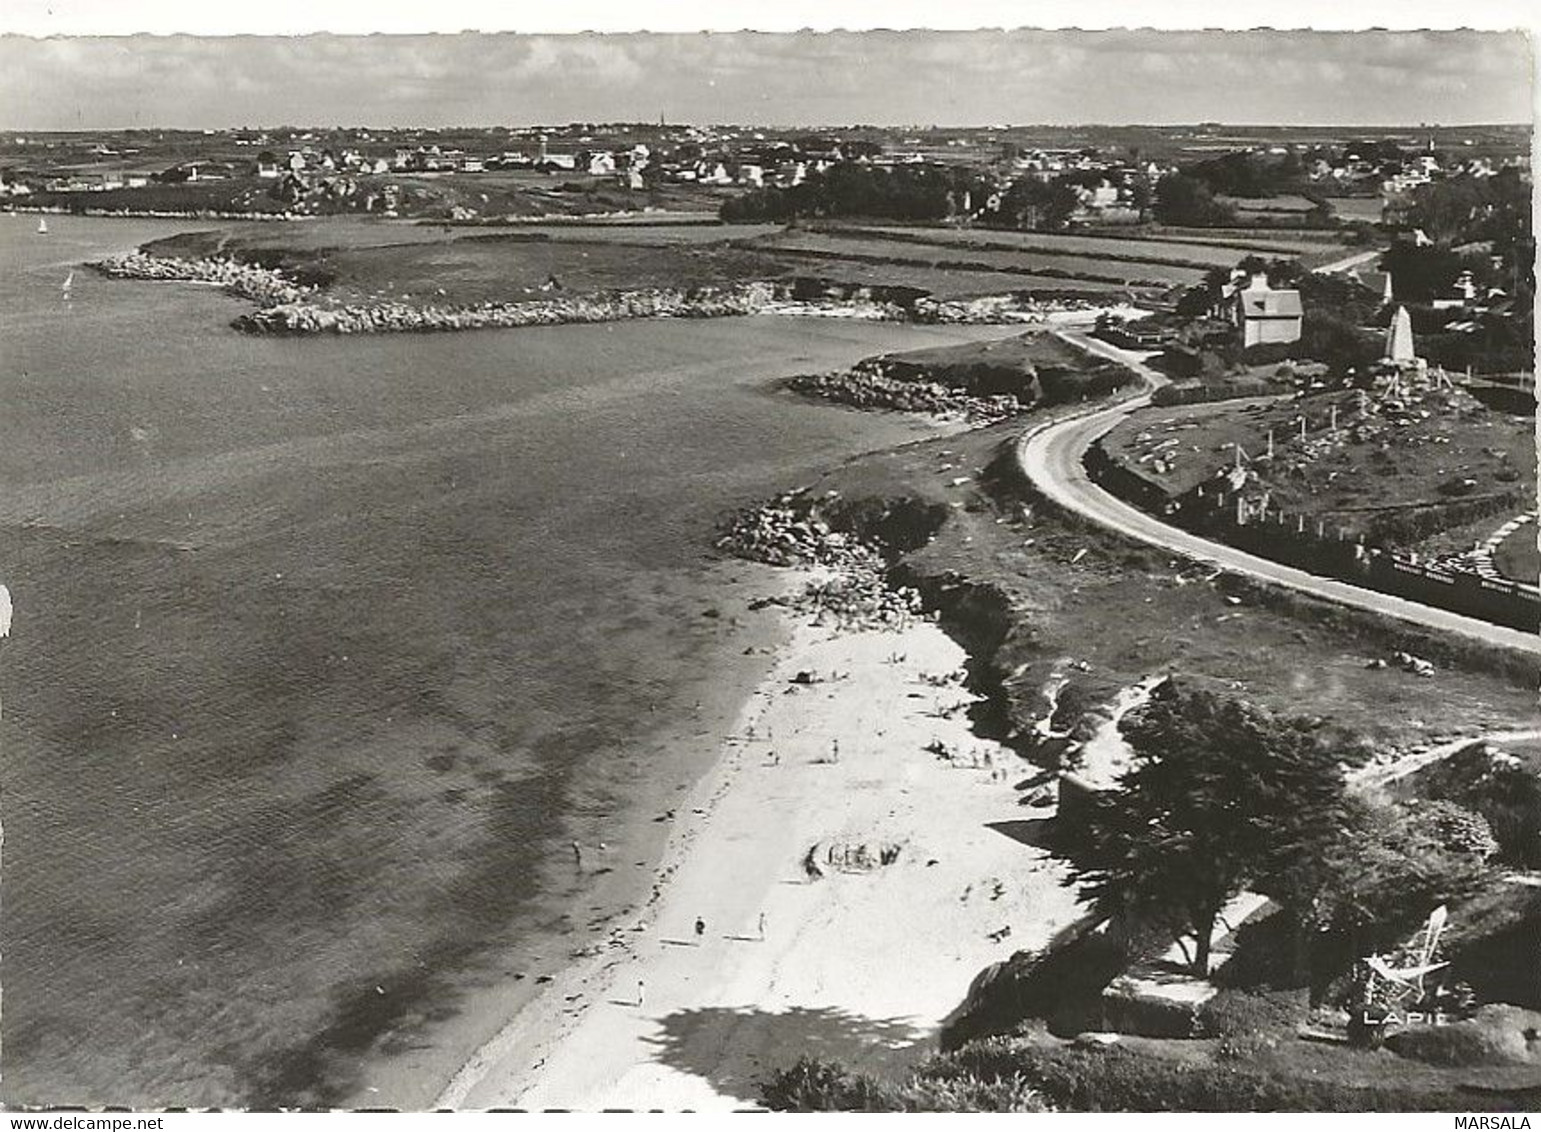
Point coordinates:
[(1051, 455)]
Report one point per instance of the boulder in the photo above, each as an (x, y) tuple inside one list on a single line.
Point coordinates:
[(1499, 1034)]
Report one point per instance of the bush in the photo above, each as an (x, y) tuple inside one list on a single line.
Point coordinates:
[(1121, 1080), (814, 1085), (967, 1093), (1243, 1014), (1243, 1048)]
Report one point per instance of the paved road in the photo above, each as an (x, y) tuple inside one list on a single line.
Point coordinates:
[(1051, 456), (1348, 262)]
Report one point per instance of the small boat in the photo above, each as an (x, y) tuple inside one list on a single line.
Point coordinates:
[(42, 227), (69, 281)]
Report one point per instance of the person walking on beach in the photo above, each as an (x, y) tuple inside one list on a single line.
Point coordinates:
[(762, 927), (577, 855), (640, 989), (700, 927)]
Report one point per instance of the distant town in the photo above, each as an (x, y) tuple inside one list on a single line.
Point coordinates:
[(1039, 178)]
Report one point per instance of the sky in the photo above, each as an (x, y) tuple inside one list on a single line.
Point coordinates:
[(806, 78)]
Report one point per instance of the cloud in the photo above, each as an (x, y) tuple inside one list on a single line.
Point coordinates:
[(797, 78)]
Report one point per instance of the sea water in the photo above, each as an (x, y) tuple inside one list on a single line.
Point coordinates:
[(321, 646)]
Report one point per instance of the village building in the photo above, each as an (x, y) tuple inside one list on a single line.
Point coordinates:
[(1463, 293), (1266, 316)]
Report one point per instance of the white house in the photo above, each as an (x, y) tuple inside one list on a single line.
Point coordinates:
[(1266, 316)]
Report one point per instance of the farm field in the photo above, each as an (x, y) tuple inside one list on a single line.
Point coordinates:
[(877, 249), (342, 232), (1197, 247), (1105, 248), (431, 263), (1267, 208), (940, 282), (1349, 209)]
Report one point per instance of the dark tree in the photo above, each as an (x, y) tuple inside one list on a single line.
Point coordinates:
[(1362, 880), (1186, 201), (1219, 792), (1036, 205)]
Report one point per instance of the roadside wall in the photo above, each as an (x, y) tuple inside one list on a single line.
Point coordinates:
[(1305, 543)]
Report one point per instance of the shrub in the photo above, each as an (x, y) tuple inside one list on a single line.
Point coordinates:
[(815, 1085), (1243, 1048), (1121, 1080), (1243, 1014), (967, 1093)]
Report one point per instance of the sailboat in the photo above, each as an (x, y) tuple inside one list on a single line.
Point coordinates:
[(69, 281), (42, 227)]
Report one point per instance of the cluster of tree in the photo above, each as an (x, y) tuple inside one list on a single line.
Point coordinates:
[(924, 193), (1187, 201), (1035, 205), (1493, 213), (920, 192), (1223, 796), (1466, 208), (1245, 174), (1421, 274)]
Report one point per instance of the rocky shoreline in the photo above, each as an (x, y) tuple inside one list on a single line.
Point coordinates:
[(287, 307), (262, 285), (851, 587), (867, 387)]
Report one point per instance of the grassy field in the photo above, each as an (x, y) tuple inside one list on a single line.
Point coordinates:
[(1185, 247), (463, 263), (505, 269), (940, 282), (876, 249), (1263, 241), (1284, 204), (1366, 209), (1101, 248), (477, 263)]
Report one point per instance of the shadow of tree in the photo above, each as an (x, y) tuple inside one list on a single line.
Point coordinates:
[(735, 1048), (1036, 832)]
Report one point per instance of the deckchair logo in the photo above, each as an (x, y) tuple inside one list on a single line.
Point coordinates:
[(1406, 1018)]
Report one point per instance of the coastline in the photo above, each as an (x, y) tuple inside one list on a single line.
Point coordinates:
[(624, 845), (866, 960), (285, 307)]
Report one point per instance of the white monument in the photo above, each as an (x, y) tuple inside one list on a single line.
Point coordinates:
[(1399, 339)]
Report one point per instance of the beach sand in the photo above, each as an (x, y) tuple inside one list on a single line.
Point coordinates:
[(862, 963)]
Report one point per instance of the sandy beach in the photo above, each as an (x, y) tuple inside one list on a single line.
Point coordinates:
[(743, 959)]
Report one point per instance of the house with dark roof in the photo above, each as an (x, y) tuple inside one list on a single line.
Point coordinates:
[(1376, 281), (1266, 316)]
